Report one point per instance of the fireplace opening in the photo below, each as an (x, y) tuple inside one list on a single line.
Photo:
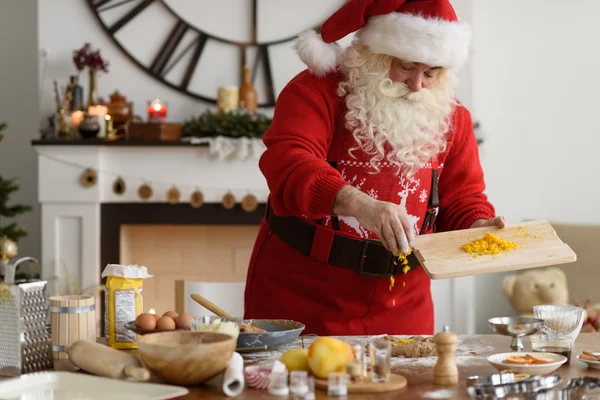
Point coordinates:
[(178, 242)]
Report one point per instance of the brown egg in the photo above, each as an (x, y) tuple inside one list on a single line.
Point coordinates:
[(171, 314), (156, 316), (183, 321), (145, 321), (166, 323)]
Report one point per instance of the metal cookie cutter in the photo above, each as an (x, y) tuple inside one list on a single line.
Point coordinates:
[(504, 386)]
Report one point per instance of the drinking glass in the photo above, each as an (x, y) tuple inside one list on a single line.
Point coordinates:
[(380, 354)]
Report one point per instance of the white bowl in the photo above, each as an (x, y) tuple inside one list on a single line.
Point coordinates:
[(497, 360), (591, 364)]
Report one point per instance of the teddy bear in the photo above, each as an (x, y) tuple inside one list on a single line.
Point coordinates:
[(529, 288)]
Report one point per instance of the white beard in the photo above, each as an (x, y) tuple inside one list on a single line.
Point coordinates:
[(389, 121)]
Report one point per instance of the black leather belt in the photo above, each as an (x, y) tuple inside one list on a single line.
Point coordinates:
[(366, 257)]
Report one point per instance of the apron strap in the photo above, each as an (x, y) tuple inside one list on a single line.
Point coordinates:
[(434, 199)]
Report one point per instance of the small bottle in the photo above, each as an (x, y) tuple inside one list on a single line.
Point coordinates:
[(278, 384), (357, 368)]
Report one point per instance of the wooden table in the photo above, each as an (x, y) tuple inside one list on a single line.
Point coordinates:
[(471, 360)]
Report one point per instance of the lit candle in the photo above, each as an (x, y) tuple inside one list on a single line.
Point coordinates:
[(152, 311), (109, 124), (76, 118), (100, 111), (157, 111)]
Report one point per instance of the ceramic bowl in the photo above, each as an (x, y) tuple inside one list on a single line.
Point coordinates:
[(498, 361), (185, 357), (591, 364)]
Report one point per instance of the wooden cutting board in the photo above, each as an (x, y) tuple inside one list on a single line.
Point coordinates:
[(396, 382), (441, 255)]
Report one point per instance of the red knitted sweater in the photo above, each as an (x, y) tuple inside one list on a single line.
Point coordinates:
[(301, 182)]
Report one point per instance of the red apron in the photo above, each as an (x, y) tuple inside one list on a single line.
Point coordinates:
[(285, 283)]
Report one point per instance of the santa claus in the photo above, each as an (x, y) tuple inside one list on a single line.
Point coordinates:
[(367, 149)]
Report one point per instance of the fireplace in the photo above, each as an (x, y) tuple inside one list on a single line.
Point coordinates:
[(87, 224), (178, 242)]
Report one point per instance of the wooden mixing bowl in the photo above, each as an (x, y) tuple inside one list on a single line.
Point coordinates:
[(185, 357)]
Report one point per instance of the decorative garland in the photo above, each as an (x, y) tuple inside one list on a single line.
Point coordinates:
[(233, 124), (89, 178)]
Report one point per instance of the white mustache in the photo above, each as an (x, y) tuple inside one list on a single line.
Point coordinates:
[(389, 88)]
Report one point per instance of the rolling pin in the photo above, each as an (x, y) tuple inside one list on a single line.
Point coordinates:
[(105, 361)]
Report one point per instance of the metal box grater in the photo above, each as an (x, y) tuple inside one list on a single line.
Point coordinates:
[(25, 333)]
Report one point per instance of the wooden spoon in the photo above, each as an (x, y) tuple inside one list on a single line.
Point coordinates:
[(210, 306)]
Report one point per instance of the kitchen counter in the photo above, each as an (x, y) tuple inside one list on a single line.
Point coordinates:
[(470, 359)]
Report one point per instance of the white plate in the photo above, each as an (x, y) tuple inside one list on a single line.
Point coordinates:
[(69, 385), (533, 369), (591, 364)]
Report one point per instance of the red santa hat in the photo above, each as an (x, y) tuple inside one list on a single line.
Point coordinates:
[(426, 31)]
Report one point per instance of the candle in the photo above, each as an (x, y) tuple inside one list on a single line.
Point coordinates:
[(228, 98), (109, 124), (152, 311), (100, 111), (76, 118), (157, 111)]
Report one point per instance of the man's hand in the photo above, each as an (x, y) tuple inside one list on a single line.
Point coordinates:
[(500, 222), (387, 220)]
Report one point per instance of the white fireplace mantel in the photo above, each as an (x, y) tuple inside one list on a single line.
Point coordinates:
[(71, 212)]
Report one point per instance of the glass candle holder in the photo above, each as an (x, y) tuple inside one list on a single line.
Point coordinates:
[(157, 111), (298, 382), (380, 354), (278, 384), (337, 384)]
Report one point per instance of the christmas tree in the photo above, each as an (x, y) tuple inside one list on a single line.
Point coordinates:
[(7, 187)]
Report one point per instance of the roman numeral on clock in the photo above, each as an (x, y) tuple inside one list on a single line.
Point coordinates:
[(104, 5)]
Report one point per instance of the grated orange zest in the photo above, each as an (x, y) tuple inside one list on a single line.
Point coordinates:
[(488, 244)]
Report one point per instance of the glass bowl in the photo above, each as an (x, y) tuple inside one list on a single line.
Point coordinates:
[(211, 323), (560, 321)]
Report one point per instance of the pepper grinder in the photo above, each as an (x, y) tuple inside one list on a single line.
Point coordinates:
[(445, 372)]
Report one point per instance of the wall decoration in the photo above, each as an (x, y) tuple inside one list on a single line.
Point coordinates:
[(173, 195), (119, 186), (197, 199), (180, 51), (89, 178), (228, 201), (145, 191), (249, 203)]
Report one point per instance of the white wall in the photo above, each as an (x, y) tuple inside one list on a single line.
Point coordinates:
[(535, 81), (19, 108)]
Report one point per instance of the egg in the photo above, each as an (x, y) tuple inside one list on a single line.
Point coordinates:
[(183, 321), (171, 314), (145, 321), (156, 316), (166, 323)]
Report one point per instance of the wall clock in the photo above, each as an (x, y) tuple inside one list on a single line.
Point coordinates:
[(195, 46)]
